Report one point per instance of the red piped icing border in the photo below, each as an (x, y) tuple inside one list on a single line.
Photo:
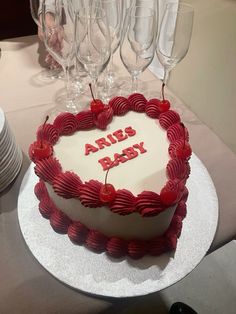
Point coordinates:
[(98, 242), (69, 185)]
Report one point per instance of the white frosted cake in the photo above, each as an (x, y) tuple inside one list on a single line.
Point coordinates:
[(114, 180)]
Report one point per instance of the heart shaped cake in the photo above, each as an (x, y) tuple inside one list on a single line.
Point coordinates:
[(114, 179)]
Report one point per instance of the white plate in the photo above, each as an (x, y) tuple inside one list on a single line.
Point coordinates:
[(6, 145), (100, 275), (8, 155), (2, 121), (5, 137), (13, 174), (11, 167)]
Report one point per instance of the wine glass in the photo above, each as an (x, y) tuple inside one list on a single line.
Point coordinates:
[(54, 68), (59, 40), (114, 12), (174, 37), (92, 42), (138, 42)]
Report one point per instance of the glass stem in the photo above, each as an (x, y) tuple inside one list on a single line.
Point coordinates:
[(94, 85), (111, 64), (107, 81), (166, 75), (67, 77), (134, 83)]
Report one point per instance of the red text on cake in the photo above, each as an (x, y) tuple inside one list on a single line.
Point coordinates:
[(117, 136), (126, 154)]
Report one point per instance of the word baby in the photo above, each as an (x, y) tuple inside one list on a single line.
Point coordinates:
[(111, 139)]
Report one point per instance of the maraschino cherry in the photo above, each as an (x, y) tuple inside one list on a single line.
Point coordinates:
[(41, 149), (185, 151), (164, 104), (96, 105), (108, 192)]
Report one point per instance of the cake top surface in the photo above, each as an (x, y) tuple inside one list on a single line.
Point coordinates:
[(84, 153)]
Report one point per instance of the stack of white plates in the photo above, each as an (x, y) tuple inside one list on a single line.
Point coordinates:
[(10, 154)]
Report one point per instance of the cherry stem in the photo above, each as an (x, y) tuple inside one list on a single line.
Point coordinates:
[(91, 90), (111, 166), (43, 126), (162, 91), (183, 126)]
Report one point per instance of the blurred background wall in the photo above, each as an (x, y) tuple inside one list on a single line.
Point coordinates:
[(206, 78), (15, 19)]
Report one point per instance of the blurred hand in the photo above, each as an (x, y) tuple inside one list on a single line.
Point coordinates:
[(50, 22), (52, 63), (55, 36)]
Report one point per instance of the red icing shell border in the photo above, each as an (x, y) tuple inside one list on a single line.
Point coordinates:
[(98, 242), (69, 185)]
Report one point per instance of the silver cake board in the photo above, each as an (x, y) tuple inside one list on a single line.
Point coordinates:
[(99, 274)]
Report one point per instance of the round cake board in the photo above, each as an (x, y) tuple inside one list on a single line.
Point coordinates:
[(99, 274)]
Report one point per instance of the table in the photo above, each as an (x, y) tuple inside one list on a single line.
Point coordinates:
[(25, 287)]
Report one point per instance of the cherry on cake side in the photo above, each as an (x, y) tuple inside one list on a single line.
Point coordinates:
[(108, 193), (40, 149), (96, 105), (164, 104), (183, 151)]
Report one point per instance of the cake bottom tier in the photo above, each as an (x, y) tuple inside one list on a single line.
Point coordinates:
[(114, 245)]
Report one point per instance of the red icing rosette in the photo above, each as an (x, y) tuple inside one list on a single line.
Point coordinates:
[(181, 209), (67, 185), (157, 246), (104, 118), (137, 249), (176, 132), (171, 240), (176, 184), (117, 247), (47, 169), (48, 133), (137, 102), (184, 195), (168, 118), (60, 222), (177, 169), (66, 123), (120, 105), (40, 190), (152, 109), (47, 207), (124, 203), (85, 120), (173, 146), (148, 204), (178, 146), (171, 192), (89, 194), (96, 241), (175, 226), (78, 232)]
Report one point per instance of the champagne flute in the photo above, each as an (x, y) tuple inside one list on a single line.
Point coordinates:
[(59, 40), (53, 67), (151, 4), (92, 42), (174, 37), (138, 42), (114, 11)]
